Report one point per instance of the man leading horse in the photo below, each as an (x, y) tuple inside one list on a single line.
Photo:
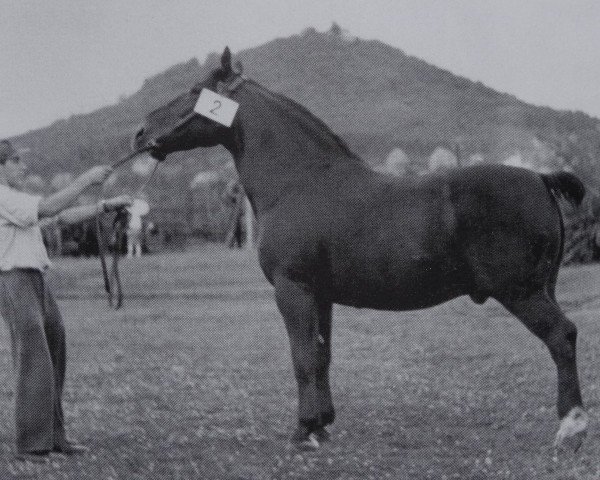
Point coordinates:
[(28, 306)]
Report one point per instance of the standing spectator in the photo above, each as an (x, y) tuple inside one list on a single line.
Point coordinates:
[(137, 210), (28, 307), (234, 195)]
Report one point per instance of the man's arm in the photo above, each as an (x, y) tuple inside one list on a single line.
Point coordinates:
[(73, 215), (55, 203)]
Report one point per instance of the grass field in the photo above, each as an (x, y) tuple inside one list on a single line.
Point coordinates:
[(193, 379)]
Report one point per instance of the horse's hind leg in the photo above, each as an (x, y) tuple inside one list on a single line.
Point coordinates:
[(541, 315), (300, 309)]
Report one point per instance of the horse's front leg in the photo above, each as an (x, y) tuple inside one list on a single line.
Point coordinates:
[(326, 409), (298, 304)]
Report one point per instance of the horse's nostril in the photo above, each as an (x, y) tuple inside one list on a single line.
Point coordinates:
[(139, 133)]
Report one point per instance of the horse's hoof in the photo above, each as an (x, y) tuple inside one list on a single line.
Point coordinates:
[(303, 441), (322, 435), (573, 430), (308, 444)]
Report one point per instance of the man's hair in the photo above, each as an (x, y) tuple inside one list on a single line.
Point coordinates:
[(6, 151)]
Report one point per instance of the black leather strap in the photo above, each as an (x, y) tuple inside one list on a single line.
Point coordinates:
[(113, 288)]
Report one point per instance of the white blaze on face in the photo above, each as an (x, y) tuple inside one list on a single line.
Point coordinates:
[(143, 164)]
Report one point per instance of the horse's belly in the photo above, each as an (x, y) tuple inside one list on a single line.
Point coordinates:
[(419, 286)]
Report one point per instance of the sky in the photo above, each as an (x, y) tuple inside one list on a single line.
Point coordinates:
[(65, 57)]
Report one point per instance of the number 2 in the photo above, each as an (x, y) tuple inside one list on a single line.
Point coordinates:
[(217, 104)]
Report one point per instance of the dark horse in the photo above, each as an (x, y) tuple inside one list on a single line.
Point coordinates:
[(334, 231)]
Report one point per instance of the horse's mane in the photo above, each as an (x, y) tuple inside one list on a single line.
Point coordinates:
[(318, 127)]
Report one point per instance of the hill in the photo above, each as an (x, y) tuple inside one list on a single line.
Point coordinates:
[(375, 96)]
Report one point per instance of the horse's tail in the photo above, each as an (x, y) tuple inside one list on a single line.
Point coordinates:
[(569, 187), (566, 185)]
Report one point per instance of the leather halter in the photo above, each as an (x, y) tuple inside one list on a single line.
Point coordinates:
[(225, 89)]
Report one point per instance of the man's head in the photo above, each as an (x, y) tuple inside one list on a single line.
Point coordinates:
[(12, 169), (6, 151)]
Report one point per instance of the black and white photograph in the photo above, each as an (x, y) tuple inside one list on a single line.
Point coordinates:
[(335, 239)]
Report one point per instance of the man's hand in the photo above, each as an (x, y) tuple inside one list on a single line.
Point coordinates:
[(116, 203), (96, 175), (58, 201)]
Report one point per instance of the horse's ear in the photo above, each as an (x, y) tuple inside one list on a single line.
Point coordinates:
[(226, 60), (238, 68)]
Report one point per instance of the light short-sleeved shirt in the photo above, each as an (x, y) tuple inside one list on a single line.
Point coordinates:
[(21, 241), (135, 222)]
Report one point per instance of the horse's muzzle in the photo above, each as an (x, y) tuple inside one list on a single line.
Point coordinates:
[(139, 142), (158, 155)]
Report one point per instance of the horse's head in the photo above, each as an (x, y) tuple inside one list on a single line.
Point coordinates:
[(174, 126)]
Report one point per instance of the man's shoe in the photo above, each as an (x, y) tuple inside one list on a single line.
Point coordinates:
[(34, 457), (70, 448)]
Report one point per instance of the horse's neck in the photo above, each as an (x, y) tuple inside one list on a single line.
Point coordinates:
[(279, 150)]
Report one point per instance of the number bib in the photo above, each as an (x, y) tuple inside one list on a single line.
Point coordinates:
[(216, 107)]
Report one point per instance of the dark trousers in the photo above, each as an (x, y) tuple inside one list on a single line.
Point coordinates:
[(39, 357)]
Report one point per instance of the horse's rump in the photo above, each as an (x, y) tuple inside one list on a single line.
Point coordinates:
[(509, 226)]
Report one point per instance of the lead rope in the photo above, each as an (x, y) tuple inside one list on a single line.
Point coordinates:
[(101, 249), (115, 295)]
